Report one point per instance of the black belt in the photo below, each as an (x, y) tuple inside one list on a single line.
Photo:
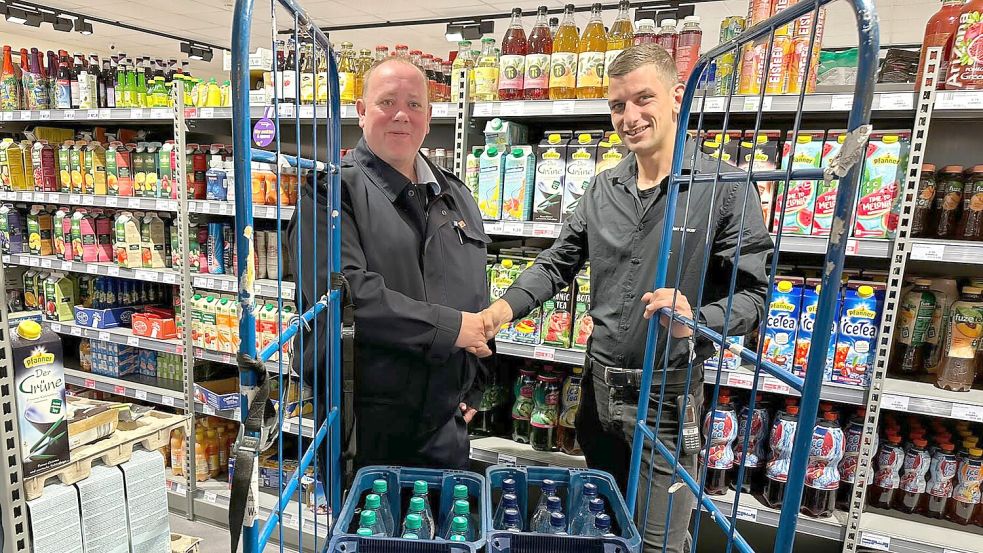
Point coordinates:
[(630, 378)]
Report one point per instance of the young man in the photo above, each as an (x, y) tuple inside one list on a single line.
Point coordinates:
[(413, 251), (617, 228)]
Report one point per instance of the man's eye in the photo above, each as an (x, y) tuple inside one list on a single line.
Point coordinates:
[(618, 108)]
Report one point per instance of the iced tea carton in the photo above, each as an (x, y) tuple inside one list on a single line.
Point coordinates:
[(65, 166), (85, 245), (878, 197), (39, 382), (39, 231), (807, 319), (581, 166), (526, 330), (104, 236), (119, 170), (783, 322), (761, 153), (95, 169), (13, 228), (517, 185), (503, 275), (583, 324), (59, 297), (128, 241), (12, 166), (31, 301), (856, 347), (805, 152), (45, 165), (165, 170), (76, 164), (551, 171), (558, 319), (491, 171)]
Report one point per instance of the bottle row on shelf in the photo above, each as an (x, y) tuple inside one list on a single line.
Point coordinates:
[(949, 203)]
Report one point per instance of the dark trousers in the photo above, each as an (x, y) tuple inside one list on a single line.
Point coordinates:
[(605, 429), (387, 435)]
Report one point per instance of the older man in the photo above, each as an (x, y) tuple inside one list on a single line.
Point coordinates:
[(413, 250)]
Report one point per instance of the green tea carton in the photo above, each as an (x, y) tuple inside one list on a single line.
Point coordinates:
[(551, 171), (583, 324), (39, 382), (581, 166), (558, 319), (491, 171), (517, 187), (505, 134)]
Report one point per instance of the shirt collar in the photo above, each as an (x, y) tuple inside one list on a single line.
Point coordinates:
[(626, 172), (387, 178), (425, 175)]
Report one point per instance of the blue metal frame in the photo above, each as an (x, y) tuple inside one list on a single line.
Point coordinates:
[(328, 434), (810, 386)]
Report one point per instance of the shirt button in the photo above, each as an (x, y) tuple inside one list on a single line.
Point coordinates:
[(629, 295), (641, 228), (635, 261), (411, 193), (443, 212)]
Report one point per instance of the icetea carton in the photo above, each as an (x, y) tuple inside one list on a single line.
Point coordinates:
[(807, 319), (551, 171), (558, 319), (39, 376), (517, 187), (583, 324), (491, 171), (526, 330), (581, 165), (856, 340), (805, 152), (822, 217), (761, 153), (878, 197), (783, 322), (730, 360)]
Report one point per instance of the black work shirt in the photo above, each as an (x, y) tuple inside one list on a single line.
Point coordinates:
[(620, 234)]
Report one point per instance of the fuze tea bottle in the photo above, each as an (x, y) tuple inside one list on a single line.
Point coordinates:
[(619, 38), (914, 318), (536, 83), (569, 405), (965, 328), (563, 60), (512, 61), (590, 59)]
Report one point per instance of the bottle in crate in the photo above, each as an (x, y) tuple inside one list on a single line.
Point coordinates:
[(580, 517), (541, 522), (558, 524), (460, 494), (420, 504), (412, 527)]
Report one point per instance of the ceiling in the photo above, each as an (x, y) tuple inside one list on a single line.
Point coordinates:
[(902, 21)]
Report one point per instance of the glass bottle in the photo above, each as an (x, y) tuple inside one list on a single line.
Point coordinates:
[(76, 68), (402, 51), (563, 60), (9, 91), (590, 59), (536, 83), (486, 73), (463, 61), (620, 37), (512, 62), (645, 33), (667, 36), (140, 90), (346, 74)]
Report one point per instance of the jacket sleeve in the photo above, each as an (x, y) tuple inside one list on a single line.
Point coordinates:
[(752, 283)]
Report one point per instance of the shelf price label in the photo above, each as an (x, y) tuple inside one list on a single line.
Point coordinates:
[(210, 497), (545, 229), (113, 271), (92, 114), (44, 114), (841, 102), (167, 400), (967, 412), (515, 229), (749, 514), (56, 327), (8, 116), (159, 113), (563, 107), (508, 460), (89, 383), (119, 390), (875, 541), (544, 353), (112, 201), (713, 105), (75, 331), (441, 109), (132, 341), (739, 380), (751, 103), (25, 115), (207, 409), (140, 394), (482, 109), (901, 100), (46, 263), (105, 113), (512, 108), (894, 402), (494, 227), (928, 252), (104, 336), (776, 386), (136, 113)]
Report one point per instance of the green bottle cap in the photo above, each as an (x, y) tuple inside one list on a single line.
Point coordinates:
[(380, 486), (416, 505), (372, 501), (363, 532), (419, 487), (458, 537), (367, 518), (459, 525), (410, 536), (462, 507), (460, 491), (414, 522)]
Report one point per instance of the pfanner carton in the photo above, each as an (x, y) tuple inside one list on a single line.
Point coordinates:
[(783, 322), (526, 330), (491, 171), (551, 172), (798, 196), (885, 163), (558, 319), (855, 344), (807, 319), (503, 275), (822, 217), (583, 324), (581, 164), (610, 152), (761, 153), (517, 186)]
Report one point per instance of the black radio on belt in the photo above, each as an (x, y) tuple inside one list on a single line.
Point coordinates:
[(690, 423)]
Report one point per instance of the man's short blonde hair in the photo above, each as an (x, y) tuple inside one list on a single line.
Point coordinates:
[(645, 54), (392, 59)]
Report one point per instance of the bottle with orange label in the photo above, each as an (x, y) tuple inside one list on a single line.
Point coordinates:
[(177, 451)]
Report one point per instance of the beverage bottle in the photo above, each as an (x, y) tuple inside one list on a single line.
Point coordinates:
[(889, 459), (364, 532), (720, 428), (9, 91), (76, 70), (645, 32), (596, 509), (822, 475), (688, 46), (948, 200), (368, 520), (381, 488), (558, 524), (563, 59), (131, 85), (569, 405), (776, 471), (464, 62), (509, 501), (540, 522), (620, 36), (667, 37), (580, 516), (510, 520), (105, 83), (460, 529), (362, 67), (96, 82), (512, 63), (543, 420), (412, 527), (917, 462), (420, 492), (958, 367), (939, 31), (211, 451), (972, 221), (486, 73), (346, 74), (915, 316), (460, 512), (140, 89), (492, 416), (940, 483), (536, 82), (921, 219), (754, 463), (851, 457), (962, 507), (965, 64), (602, 526), (85, 93), (590, 59), (522, 409), (460, 494), (30, 80), (45, 100), (541, 513), (508, 488), (177, 451), (52, 78), (201, 457), (374, 503), (122, 94), (426, 63)]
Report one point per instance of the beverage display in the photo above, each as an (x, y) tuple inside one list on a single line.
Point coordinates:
[(939, 32), (720, 428), (563, 59), (539, 47), (620, 36), (525, 387), (822, 473), (545, 413), (688, 46), (857, 333), (590, 57), (964, 330), (512, 61), (914, 318)]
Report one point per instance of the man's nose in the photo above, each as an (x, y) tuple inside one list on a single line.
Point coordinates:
[(630, 114), (401, 116)]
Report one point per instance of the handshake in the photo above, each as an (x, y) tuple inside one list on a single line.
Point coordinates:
[(477, 329)]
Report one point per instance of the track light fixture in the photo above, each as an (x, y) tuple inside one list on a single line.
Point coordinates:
[(468, 30), (196, 52), (82, 26)]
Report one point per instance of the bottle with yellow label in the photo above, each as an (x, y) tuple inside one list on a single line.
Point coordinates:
[(486, 73), (362, 66), (347, 73), (620, 37), (590, 60), (563, 60), (463, 61)]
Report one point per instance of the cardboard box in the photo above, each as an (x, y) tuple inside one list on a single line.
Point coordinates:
[(54, 520), (104, 318), (221, 394), (153, 325), (103, 511), (90, 423), (146, 502)]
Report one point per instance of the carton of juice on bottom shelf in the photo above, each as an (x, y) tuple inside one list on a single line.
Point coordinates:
[(783, 322), (826, 193), (558, 319), (551, 171), (761, 153), (491, 172), (517, 184), (581, 166), (856, 348), (39, 376), (804, 152), (583, 324), (878, 197), (526, 330)]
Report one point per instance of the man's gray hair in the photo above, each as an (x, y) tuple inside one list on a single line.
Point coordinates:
[(645, 54)]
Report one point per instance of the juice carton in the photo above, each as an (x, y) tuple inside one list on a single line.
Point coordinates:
[(197, 332), (59, 296), (119, 170), (65, 166), (761, 153), (551, 171), (505, 134), (104, 237), (856, 341), (44, 163), (717, 144), (85, 245), (266, 322), (215, 248), (31, 301), (583, 324), (223, 313), (878, 197), (730, 360), (151, 165), (5, 182), (581, 164), (128, 241), (39, 376), (152, 242), (68, 236), (209, 323), (807, 319), (527, 330), (196, 166), (140, 162), (12, 166), (783, 322), (503, 275), (610, 152), (39, 231), (804, 153), (491, 172), (76, 163), (517, 187), (39, 287), (94, 181), (165, 171), (25, 147), (558, 319), (13, 228), (826, 193), (471, 171)]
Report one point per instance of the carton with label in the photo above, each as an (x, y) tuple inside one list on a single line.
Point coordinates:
[(12, 166), (783, 322), (65, 166), (551, 171), (503, 275), (491, 172), (730, 360), (798, 196), (807, 318), (103, 514), (146, 502), (95, 169), (119, 167), (128, 241), (31, 296), (54, 519), (761, 153), (152, 242), (471, 168), (558, 319), (583, 324), (13, 228), (59, 297), (104, 236), (84, 243), (45, 165), (610, 152), (76, 162), (39, 377), (822, 218), (39, 231), (856, 343), (517, 187), (878, 197), (162, 188), (581, 165), (505, 134), (526, 330)]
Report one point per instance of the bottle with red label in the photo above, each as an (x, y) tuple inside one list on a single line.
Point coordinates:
[(756, 458), (965, 501), (668, 37), (914, 474), (536, 83), (776, 471), (966, 57), (512, 60), (941, 480), (851, 457), (720, 428), (890, 458), (645, 32), (688, 46), (939, 32), (545, 413), (822, 477)]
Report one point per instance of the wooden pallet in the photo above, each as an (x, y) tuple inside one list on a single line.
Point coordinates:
[(152, 432), (184, 544)]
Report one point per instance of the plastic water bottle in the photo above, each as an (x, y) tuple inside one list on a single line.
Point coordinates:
[(558, 524), (460, 494), (462, 509), (460, 530), (373, 503), (364, 532), (509, 501), (541, 517), (580, 517), (602, 525), (418, 507), (511, 521), (542, 524), (381, 488), (420, 491), (412, 526), (369, 521), (596, 507)]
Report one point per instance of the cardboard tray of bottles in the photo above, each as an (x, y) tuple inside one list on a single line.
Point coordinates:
[(440, 484), (570, 483)]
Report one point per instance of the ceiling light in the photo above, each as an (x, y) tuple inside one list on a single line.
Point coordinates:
[(454, 33), (16, 15), (195, 52), (82, 26), (57, 23), (470, 30)]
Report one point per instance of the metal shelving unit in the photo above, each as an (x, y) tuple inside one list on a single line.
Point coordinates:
[(886, 533), (114, 202), (227, 283), (122, 336), (162, 276), (743, 378)]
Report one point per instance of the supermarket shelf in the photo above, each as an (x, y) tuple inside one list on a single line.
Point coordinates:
[(946, 251), (906, 535), (123, 336), (541, 353), (218, 207), (144, 115), (743, 378), (136, 386), (503, 451), (97, 200), (859, 247), (441, 110), (926, 399), (523, 228), (228, 283), (230, 359), (164, 276), (751, 510)]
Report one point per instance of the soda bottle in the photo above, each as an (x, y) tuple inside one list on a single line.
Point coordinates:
[(913, 477), (590, 59), (381, 488), (822, 475), (668, 36), (460, 494), (939, 30), (512, 61), (509, 501), (542, 432), (547, 491), (580, 516), (525, 387), (620, 37), (776, 471), (972, 222), (540, 522), (563, 59), (938, 489), (948, 200), (851, 458), (536, 81), (965, 500), (889, 459), (463, 61), (720, 428), (412, 527), (921, 218), (915, 316), (756, 456), (645, 33), (688, 46), (569, 405), (957, 370)]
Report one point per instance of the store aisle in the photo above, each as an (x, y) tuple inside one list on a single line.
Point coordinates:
[(213, 538)]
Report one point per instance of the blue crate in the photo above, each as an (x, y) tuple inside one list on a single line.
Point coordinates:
[(570, 483), (358, 544), (401, 479)]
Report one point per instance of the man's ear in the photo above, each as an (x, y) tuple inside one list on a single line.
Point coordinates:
[(360, 110)]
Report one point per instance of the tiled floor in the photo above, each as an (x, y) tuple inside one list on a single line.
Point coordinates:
[(213, 538)]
